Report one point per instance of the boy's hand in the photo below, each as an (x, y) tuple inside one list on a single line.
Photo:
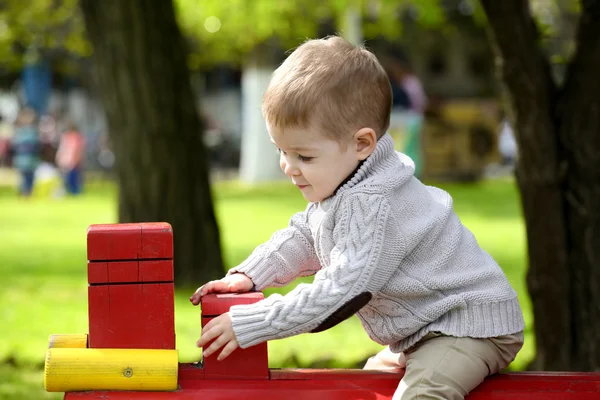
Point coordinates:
[(234, 283), (221, 330)]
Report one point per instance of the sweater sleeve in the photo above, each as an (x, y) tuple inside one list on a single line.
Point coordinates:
[(288, 254), (358, 265)]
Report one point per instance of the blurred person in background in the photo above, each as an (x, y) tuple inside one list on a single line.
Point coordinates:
[(6, 134), (405, 82), (25, 147), (408, 105), (507, 144), (69, 158), (49, 137)]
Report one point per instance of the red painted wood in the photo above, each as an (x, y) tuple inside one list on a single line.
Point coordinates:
[(250, 363), (157, 240), (190, 372), (103, 272), (156, 270), (148, 240), (98, 315), (217, 304), (356, 384), (158, 315), (97, 272), (138, 316), (305, 374), (114, 242), (123, 271)]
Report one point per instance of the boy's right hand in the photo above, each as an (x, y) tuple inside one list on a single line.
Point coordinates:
[(234, 283)]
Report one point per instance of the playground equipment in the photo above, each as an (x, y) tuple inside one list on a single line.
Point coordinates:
[(129, 352)]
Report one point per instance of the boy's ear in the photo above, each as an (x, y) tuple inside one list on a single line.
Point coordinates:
[(365, 140)]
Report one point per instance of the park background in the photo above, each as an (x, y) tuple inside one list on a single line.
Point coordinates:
[(150, 99)]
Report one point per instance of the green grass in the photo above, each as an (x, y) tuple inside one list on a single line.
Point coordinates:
[(43, 272)]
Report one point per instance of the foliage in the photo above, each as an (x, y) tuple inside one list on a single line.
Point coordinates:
[(219, 30), (225, 31), (51, 27)]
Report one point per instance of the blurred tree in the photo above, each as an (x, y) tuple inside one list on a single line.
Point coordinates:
[(139, 64), (52, 27), (558, 173)]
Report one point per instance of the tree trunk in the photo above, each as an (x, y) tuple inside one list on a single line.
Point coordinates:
[(139, 65), (579, 132), (559, 181)]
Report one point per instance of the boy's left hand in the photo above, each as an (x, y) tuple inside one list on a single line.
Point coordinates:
[(220, 329)]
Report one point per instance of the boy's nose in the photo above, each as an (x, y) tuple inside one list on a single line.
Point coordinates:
[(290, 170)]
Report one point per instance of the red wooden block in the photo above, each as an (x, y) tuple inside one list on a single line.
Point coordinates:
[(114, 242), (139, 316), (97, 272), (123, 271), (157, 240), (98, 315), (158, 315), (103, 272), (250, 363), (217, 304), (156, 270)]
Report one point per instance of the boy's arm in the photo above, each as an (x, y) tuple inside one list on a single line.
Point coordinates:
[(360, 266), (288, 254)]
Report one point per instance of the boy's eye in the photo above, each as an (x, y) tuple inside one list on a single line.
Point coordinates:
[(304, 159)]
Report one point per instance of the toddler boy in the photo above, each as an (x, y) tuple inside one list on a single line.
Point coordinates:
[(380, 243)]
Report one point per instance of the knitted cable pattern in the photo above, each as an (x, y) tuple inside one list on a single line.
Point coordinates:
[(353, 262), (289, 254)]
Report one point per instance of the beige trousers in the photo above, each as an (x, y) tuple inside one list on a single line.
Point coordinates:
[(446, 367)]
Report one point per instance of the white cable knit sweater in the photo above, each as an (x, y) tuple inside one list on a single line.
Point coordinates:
[(384, 233)]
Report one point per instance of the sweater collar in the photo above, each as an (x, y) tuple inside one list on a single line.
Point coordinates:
[(382, 158)]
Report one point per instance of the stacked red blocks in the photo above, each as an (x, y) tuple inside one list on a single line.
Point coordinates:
[(130, 293)]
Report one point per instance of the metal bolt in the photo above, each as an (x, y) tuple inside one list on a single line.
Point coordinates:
[(127, 372)]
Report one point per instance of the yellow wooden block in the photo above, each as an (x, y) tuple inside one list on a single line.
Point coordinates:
[(71, 370), (68, 341)]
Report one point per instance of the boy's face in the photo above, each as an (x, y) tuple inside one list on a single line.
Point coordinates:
[(315, 163)]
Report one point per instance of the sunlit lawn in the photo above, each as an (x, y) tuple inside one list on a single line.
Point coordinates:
[(43, 272)]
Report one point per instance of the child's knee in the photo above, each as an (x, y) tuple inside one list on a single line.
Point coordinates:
[(385, 359)]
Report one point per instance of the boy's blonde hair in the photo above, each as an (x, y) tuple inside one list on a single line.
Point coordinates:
[(332, 85)]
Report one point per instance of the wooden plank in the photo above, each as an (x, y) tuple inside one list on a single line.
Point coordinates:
[(157, 240), (357, 384)]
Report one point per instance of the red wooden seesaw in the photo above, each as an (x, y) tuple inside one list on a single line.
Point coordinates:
[(130, 347)]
